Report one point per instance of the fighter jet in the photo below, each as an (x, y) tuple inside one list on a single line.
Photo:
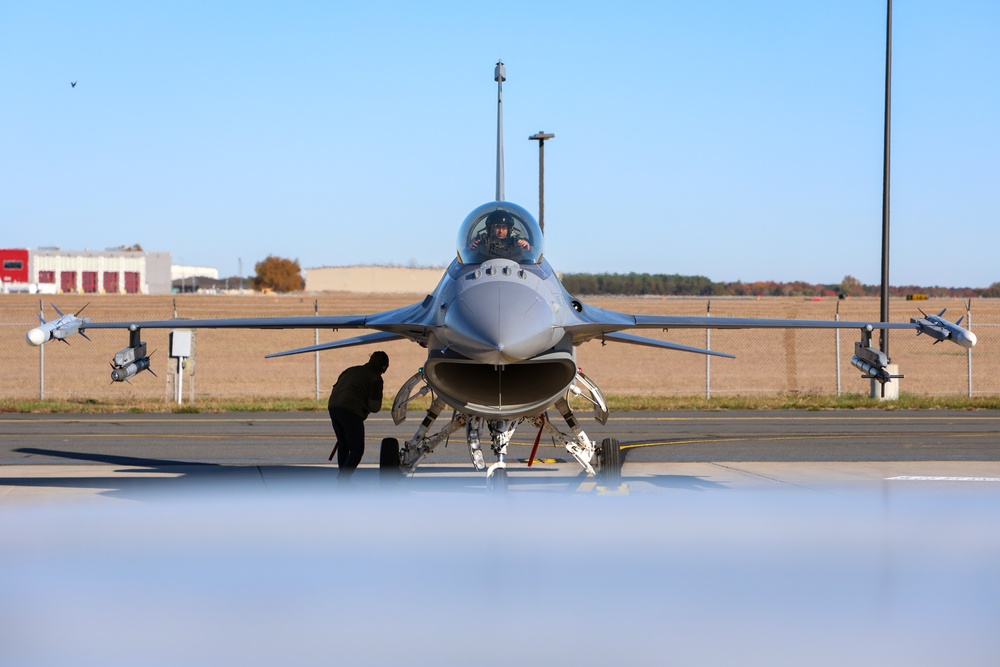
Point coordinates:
[(501, 335)]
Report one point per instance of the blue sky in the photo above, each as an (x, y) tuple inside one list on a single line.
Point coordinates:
[(735, 140)]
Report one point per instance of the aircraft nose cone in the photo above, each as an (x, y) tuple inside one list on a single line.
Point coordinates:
[(500, 322), (970, 339)]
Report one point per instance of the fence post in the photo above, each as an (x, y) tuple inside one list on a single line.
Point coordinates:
[(316, 312), (708, 357), (41, 372), (836, 318), (41, 364), (968, 325)]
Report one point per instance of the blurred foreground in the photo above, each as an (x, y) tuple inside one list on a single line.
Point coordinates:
[(360, 576)]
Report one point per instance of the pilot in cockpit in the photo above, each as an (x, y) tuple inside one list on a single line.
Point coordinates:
[(500, 238)]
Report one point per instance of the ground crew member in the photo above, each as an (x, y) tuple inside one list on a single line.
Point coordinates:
[(357, 393)]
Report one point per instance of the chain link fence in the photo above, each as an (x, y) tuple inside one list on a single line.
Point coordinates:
[(231, 363)]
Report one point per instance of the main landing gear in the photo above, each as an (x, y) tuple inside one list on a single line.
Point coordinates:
[(396, 459)]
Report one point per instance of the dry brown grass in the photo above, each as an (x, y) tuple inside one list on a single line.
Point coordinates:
[(231, 364)]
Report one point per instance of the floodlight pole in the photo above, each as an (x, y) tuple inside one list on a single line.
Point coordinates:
[(884, 337), (540, 138)]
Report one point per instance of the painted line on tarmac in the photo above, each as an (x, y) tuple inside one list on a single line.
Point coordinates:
[(708, 441), (186, 418), (841, 417), (921, 478), (804, 436), (179, 436)]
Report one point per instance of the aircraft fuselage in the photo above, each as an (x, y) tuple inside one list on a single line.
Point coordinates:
[(499, 347)]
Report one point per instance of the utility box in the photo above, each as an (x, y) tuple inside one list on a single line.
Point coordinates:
[(182, 346), (181, 343)]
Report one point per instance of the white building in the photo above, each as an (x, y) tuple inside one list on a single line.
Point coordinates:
[(180, 272), (100, 271), (373, 279)]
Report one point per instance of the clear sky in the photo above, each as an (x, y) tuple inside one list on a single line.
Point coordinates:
[(735, 140)]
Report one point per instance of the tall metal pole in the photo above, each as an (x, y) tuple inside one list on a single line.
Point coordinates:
[(884, 337), (540, 138)]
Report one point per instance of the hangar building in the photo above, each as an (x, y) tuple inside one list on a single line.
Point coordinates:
[(56, 271)]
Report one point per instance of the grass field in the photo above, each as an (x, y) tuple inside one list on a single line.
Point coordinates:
[(772, 368)]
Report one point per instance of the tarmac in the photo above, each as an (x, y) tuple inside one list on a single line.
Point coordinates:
[(736, 538)]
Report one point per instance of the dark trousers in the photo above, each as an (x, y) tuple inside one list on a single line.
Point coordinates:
[(350, 430)]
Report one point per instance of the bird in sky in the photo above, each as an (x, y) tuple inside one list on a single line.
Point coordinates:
[(72, 84)]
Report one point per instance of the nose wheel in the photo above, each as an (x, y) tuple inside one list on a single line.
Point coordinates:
[(389, 470), (498, 482), (610, 457)]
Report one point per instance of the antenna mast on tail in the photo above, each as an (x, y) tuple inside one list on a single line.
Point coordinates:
[(500, 75)]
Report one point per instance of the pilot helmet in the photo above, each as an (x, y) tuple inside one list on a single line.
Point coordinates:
[(499, 218)]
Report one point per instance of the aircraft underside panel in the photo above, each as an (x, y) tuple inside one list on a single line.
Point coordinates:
[(511, 391)]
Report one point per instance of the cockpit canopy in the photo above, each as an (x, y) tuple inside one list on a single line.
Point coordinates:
[(500, 230)]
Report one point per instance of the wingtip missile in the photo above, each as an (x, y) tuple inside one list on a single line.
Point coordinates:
[(941, 329), (60, 329)]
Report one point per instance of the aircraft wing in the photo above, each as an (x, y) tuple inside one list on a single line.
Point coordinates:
[(708, 322), (593, 322), (413, 322)]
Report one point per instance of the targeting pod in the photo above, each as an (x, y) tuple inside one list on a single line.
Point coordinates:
[(123, 373), (871, 361), (130, 361)]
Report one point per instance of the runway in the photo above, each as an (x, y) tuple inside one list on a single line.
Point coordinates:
[(778, 538)]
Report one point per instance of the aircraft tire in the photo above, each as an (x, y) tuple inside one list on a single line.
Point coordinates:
[(388, 460), (611, 462), (498, 482)]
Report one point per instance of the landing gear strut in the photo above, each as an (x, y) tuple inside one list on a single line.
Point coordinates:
[(405, 459)]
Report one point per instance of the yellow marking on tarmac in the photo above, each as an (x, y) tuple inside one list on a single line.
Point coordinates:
[(630, 418), (804, 436), (703, 441), (711, 416), (178, 436), (795, 437), (139, 420)]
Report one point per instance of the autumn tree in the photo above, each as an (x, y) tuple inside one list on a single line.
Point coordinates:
[(851, 286), (278, 274)]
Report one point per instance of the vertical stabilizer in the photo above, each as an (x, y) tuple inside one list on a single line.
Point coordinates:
[(500, 75)]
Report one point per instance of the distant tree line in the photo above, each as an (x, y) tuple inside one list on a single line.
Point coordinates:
[(658, 284)]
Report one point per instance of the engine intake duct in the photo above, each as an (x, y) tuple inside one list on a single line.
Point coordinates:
[(525, 388)]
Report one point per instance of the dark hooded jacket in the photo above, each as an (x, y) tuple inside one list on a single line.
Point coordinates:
[(358, 389)]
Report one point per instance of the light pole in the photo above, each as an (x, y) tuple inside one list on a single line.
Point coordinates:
[(540, 138)]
